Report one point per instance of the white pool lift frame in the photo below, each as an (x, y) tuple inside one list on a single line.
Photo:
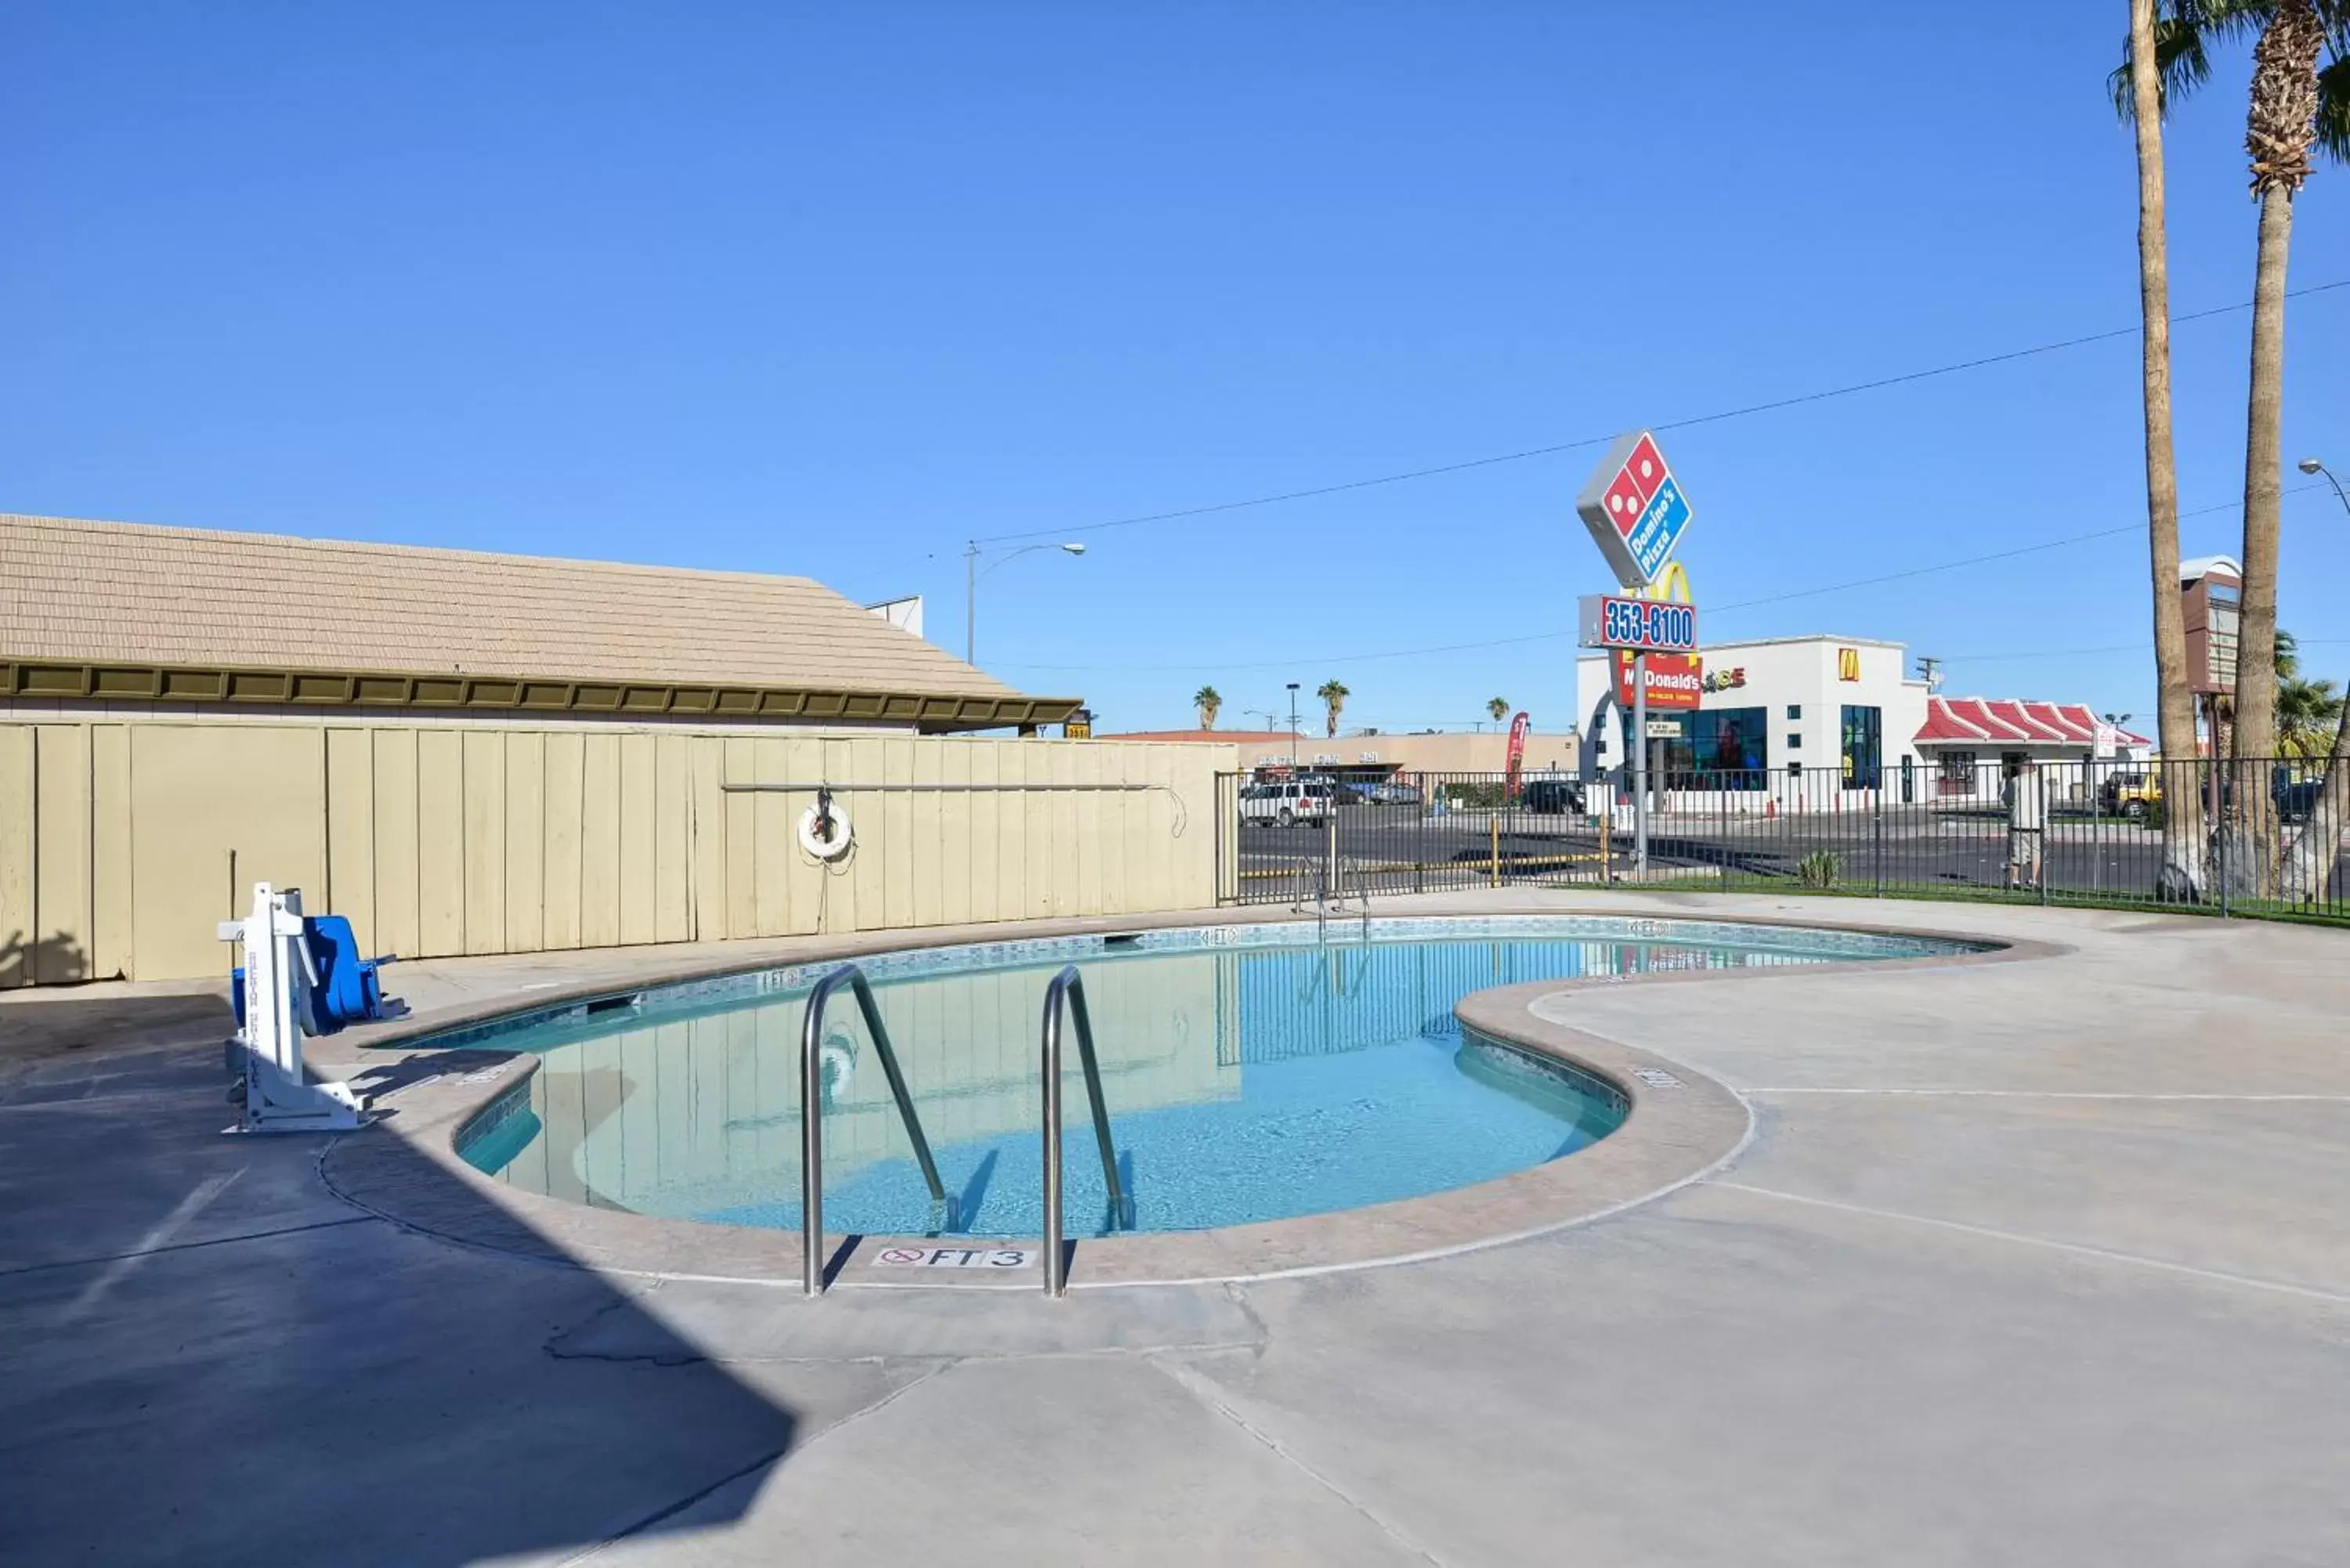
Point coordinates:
[(278, 976)]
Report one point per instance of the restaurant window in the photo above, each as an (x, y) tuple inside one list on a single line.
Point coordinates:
[(1863, 749), (1717, 748)]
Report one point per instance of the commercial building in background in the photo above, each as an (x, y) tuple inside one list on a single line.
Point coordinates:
[(1370, 759), (1972, 743), (1810, 723)]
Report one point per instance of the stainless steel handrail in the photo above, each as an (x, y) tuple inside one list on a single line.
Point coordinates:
[(1068, 992), (811, 1119)]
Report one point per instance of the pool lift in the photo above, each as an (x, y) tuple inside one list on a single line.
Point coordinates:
[(300, 975)]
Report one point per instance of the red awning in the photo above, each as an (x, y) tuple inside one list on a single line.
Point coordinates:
[(2008, 719)]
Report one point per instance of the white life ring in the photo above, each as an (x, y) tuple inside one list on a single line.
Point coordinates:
[(816, 844)]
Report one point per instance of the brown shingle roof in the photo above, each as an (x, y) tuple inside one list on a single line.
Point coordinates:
[(82, 592)]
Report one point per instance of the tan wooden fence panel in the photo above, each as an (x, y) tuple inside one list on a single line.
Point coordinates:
[(116, 836)]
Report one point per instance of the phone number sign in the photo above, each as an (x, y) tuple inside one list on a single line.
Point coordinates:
[(1644, 626)]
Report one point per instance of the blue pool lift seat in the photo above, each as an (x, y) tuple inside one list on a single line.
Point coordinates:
[(349, 989)]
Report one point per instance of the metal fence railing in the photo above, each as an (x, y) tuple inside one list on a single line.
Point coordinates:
[(2253, 837)]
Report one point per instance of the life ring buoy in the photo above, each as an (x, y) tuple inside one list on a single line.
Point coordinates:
[(816, 841)]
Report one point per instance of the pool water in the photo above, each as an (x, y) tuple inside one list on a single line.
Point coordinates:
[(1249, 1076)]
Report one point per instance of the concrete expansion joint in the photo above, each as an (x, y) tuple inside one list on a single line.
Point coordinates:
[(765, 1460), (1213, 1397), (164, 1250), (2077, 1249)]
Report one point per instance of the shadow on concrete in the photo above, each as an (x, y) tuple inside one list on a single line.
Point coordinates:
[(38, 1025), (207, 1357)]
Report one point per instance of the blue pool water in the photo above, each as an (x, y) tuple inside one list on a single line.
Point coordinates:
[(1248, 1076)]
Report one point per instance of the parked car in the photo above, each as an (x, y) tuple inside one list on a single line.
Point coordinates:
[(2132, 796), (1391, 793), (1552, 796), (2295, 798), (1287, 804)]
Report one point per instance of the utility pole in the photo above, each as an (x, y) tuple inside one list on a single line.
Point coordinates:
[(1293, 729), (970, 602)]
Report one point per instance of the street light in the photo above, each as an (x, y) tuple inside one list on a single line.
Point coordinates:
[(1293, 729), (2310, 465), (971, 575)]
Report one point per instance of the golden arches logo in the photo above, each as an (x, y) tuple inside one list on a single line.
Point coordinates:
[(1847, 664), (1671, 586), (1675, 679)]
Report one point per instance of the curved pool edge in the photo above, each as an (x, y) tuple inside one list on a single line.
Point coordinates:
[(1671, 1136)]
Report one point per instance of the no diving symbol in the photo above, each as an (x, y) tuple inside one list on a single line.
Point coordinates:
[(900, 1255)]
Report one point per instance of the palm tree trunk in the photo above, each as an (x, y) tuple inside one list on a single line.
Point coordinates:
[(2256, 682), (2182, 816), (2310, 862)]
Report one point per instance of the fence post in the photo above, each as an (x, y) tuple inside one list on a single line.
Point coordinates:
[(1876, 840), (1607, 854), (1496, 823), (2220, 818), (1420, 839)]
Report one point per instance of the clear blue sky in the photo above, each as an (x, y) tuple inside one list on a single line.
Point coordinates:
[(830, 289)]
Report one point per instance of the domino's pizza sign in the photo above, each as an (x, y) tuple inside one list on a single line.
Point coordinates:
[(1635, 509)]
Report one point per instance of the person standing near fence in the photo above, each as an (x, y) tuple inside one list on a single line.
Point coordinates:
[(2027, 824)]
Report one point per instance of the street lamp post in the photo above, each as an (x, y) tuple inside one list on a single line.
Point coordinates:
[(2310, 465), (1293, 729), (972, 573)]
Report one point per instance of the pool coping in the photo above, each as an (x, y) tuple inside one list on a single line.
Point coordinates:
[(1682, 1123)]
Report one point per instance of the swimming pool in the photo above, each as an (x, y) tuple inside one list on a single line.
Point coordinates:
[(1251, 1072)]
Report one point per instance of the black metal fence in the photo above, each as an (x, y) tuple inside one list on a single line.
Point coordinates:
[(2256, 837)]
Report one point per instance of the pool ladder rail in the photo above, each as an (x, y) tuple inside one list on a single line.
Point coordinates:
[(942, 1205), (1065, 997)]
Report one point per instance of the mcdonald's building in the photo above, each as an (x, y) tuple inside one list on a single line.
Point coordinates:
[(1811, 718), (1790, 705)]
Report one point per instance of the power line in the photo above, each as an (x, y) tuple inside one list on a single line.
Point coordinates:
[(1690, 423), (1708, 610)]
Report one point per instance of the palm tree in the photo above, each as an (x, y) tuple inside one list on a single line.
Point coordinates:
[(1334, 695), (2138, 95), (2307, 711), (2316, 850), (1210, 703), (2294, 105), (1499, 707)]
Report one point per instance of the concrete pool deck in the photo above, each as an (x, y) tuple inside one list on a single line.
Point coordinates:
[(2041, 1260)]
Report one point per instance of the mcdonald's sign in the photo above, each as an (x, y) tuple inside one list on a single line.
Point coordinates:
[(1847, 664), (1676, 681)]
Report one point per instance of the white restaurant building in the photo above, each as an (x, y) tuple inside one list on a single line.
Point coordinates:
[(1819, 723)]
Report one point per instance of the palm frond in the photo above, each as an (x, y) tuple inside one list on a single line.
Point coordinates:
[(2181, 63), (2333, 100), (2184, 31)]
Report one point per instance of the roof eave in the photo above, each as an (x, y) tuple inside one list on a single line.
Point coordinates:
[(383, 690)]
